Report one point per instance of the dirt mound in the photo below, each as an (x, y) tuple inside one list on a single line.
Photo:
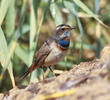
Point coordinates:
[(86, 81)]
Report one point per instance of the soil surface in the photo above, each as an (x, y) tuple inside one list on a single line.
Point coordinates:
[(86, 81)]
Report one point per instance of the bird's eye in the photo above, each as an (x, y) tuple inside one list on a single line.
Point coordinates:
[(63, 29)]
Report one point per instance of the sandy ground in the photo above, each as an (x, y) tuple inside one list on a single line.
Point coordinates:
[(86, 81)]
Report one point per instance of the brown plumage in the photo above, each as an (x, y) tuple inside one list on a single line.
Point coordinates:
[(39, 58), (53, 50)]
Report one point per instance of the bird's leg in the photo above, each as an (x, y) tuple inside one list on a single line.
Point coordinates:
[(51, 70), (42, 72)]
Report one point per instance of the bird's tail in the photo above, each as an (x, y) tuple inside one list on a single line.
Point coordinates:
[(29, 70)]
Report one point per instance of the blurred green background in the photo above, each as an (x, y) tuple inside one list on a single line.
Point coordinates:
[(26, 24)]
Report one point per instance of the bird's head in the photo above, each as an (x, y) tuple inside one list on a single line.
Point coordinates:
[(63, 31)]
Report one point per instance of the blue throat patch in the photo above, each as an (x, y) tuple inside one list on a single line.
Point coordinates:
[(64, 43)]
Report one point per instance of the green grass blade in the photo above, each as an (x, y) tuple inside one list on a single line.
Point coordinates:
[(98, 33), (10, 19), (71, 8), (19, 29), (42, 19), (25, 29), (13, 43), (87, 10), (22, 54), (33, 30), (55, 12), (97, 6), (70, 20), (8, 58), (82, 38), (34, 74), (3, 57), (3, 9), (17, 34)]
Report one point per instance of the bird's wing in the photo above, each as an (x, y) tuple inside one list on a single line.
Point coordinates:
[(39, 58)]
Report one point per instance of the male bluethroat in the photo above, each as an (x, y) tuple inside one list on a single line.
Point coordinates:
[(53, 50)]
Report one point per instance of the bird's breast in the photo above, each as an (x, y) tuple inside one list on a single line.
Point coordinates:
[(56, 54), (64, 44)]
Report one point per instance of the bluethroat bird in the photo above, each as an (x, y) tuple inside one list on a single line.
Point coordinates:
[(53, 50)]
